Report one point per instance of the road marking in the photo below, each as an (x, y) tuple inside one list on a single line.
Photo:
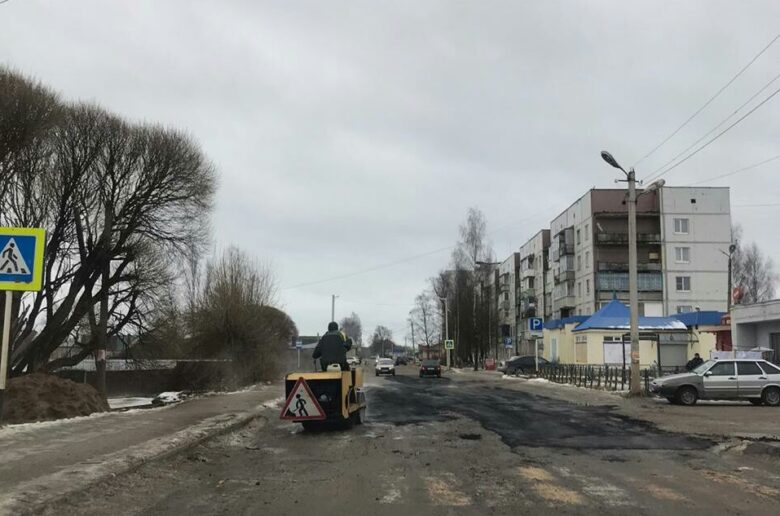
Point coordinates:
[(725, 478), (534, 473), (595, 487), (545, 487), (392, 496), (663, 492), (441, 492)]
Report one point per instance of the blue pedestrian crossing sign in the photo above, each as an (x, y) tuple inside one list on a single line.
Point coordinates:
[(21, 258), (535, 324)]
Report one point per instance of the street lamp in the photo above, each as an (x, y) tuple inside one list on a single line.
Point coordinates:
[(333, 307), (633, 296)]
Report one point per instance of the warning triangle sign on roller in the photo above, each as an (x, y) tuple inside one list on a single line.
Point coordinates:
[(301, 405), (11, 261)]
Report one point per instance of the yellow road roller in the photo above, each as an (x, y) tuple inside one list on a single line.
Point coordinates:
[(329, 398)]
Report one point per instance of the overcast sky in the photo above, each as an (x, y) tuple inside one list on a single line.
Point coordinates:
[(349, 135)]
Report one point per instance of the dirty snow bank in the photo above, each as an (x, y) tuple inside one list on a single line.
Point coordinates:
[(45, 397)]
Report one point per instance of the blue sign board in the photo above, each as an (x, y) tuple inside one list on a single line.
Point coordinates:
[(535, 324), (508, 342), (21, 258)]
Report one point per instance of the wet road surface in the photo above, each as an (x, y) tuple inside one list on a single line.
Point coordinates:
[(447, 446)]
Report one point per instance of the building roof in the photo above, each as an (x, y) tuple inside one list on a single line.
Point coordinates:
[(560, 323), (616, 316), (703, 318)]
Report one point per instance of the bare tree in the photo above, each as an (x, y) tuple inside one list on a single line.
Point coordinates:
[(424, 318), (752, 270), (234, 319), (121, 204), (352, 326), (381, 341)]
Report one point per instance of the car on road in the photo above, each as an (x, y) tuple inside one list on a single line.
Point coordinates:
[(523, 364), (353, 361), (385, 366), (401, 361), (430, 368), (756, 381)]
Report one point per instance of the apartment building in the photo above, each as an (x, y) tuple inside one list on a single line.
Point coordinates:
[(680, 232), (531, 295), (508, 280)]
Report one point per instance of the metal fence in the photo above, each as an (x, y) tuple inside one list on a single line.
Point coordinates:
[(612, 378)]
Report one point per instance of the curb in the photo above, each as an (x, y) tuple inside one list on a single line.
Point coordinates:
[(34, 496)]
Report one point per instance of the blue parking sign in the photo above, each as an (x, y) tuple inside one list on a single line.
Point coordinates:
[(536, 324)]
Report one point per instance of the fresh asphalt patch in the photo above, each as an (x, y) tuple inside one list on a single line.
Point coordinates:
[(519, 418)]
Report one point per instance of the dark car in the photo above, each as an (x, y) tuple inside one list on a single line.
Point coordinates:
[(401, 361), (430, 368), (524, 364)]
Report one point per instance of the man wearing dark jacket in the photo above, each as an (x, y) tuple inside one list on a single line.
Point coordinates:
[(693, 363), (332, 348)]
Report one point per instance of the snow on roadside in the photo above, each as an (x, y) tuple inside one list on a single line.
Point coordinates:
[(539, 380), (129, 402), (273, 403)]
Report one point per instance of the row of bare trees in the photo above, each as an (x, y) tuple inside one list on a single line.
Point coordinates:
[(464, 284), (126, 209)]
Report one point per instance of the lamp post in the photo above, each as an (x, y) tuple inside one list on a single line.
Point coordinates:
[(633, 296)]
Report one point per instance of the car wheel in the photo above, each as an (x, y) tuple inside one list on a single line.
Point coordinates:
[(393, 373), (771, 396), (376, 373), (687, 396), (755, 401)]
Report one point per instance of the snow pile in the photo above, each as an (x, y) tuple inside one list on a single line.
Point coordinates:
[(124, 403), (166, 398), (539, 380), (44, 397)]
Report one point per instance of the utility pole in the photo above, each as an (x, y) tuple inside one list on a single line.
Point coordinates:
[(411, 322), (732, 248), (633, 296), (333, 307), (446, 329)]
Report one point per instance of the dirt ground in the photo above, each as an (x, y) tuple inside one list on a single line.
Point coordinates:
[(44, 397)]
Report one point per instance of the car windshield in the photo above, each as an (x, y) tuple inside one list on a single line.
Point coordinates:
[(430, 363), (706, 365), (385, 361)]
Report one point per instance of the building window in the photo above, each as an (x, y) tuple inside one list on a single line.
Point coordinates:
[(684, 309), (579, 262), (587, 232), (683, 283), (587, 259), (682, 254), (578, 237), (587, 286), (681, 226), (579, 289)]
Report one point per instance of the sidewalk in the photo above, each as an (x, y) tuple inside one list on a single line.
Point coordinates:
[(715, 419), (41, 461)]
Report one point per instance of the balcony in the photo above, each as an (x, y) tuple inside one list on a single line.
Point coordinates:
[(618, 281), (622, 238), (623, 267), (562, 276)]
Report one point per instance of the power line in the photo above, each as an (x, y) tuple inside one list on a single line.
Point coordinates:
[(716, 95), (727, 129), (748, 101), (403, 260), (743, 169)]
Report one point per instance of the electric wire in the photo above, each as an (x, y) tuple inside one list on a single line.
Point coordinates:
[(709, 101)]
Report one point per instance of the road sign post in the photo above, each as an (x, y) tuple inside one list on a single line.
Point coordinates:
[(21, 269), (449, 345), (535, 327)]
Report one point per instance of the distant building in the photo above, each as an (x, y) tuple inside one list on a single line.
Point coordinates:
[(680, 233), (534, 299)]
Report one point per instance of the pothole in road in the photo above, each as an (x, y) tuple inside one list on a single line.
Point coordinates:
[(471, 437)]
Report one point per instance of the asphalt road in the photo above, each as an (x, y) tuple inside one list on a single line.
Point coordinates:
[(447, 446)]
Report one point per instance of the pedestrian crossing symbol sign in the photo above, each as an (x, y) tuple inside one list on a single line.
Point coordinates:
[(301, 404), (21, 258)]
